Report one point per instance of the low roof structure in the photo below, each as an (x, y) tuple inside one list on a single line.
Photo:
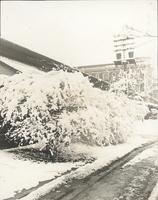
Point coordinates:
[(15, 59)]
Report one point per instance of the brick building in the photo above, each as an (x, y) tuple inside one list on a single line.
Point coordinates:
[(111, 72)]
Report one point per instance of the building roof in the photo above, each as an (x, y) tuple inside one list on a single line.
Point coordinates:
[(7, 69), (96, 65), (22, 59), (21, 54), (19, 66)]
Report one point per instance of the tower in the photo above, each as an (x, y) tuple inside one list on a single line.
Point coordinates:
[(124, 49)]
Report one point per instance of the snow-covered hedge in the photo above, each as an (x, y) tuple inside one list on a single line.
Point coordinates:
[(62, 107)]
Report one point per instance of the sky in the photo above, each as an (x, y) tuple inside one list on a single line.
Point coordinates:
[(78, 32)]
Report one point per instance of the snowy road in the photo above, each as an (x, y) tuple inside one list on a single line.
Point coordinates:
[(132, 178)]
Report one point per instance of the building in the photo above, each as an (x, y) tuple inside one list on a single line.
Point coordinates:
[(6, 69), (17, 59), (103, 72), (20, 59), (127, 63), (112, 72)]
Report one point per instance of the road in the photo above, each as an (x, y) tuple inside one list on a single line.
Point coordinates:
[(131, 178)]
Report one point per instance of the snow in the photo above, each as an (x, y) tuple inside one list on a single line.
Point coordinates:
[(20, 66), (16, 175), (104, 156), (154, 193), (28, 174), (40, 105), (87, 118), (147, 130), (142, 156)]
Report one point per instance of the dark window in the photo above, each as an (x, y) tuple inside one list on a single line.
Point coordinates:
[(118, 56), (100, 75), (131, 54)]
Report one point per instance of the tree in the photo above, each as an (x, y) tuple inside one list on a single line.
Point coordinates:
[(134, 80)]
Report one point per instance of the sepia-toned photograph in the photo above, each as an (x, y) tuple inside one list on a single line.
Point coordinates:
[(78, 100)]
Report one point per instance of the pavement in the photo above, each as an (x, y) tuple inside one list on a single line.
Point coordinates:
[(133, 178)]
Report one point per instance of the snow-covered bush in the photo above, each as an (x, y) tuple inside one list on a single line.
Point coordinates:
[(134, 81), (62, 107), (130, 84)]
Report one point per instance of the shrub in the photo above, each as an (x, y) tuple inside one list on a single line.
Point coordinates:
[(61, 108)]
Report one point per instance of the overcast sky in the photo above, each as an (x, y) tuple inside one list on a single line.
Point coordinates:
[(77, 32)]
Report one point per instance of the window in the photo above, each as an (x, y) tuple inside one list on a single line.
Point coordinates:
[(131, 54), (106, 76), (118, 56), (100, 75), (97, 75)]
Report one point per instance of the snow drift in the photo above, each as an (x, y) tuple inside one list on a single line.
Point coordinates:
[(60, 108)]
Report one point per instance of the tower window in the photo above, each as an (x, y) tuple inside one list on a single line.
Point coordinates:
[(118, 56), (131, 54)]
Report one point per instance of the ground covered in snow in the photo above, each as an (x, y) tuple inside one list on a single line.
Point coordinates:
[(29, 174), (16, 174)]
